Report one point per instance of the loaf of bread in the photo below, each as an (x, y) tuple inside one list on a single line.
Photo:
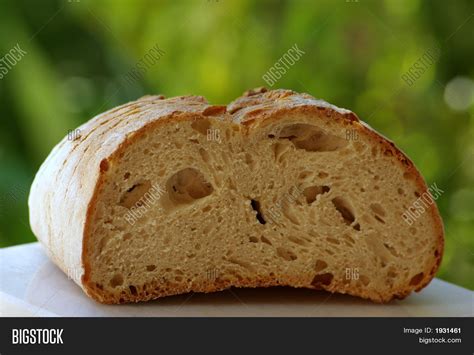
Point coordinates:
[(160, 196)]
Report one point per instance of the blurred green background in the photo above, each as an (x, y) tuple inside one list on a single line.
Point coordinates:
[(80, 55)]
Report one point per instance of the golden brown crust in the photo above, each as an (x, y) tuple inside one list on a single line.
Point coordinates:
[(104, 137)]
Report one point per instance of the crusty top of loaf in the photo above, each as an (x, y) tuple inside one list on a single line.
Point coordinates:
[(260, 102)]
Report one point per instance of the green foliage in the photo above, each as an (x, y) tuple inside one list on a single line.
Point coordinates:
[(80, 54)]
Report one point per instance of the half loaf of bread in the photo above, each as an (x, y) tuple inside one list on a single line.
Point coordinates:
[(165, 196)]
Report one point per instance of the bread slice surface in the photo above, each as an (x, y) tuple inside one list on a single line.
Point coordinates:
[(167, 196)]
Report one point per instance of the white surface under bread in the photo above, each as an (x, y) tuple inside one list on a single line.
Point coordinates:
[(31, 285)]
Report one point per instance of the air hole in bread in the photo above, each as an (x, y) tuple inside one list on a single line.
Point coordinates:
[(117, 280), (241, 263), (265, 240), (253, 239), (132, 196), (364, 279), (380, 219), (102, 243), (150, 267), (297, 240), (256, 207), (311, 138), (392, 273), (377, 209), (345, 209), (133, 290), (311, 192), (304, 175), (286, 254), (288, 213), (204, 155), (279, 150), (249, 161), (320, 265), (348, 239), (162, 172), (201, 126), (415, 280), (188, 185), (321, 280)]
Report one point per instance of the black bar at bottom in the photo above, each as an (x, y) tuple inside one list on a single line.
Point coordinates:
[(245, 335)]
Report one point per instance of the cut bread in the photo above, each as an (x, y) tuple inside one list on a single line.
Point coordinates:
[(166, 196)]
